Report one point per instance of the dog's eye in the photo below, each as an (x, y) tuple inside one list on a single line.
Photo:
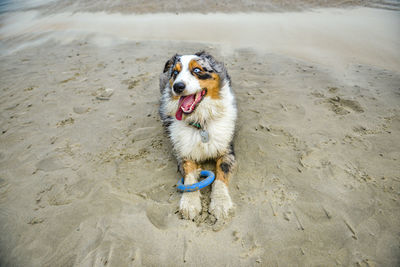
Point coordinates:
[(196, 70), (175, 72)]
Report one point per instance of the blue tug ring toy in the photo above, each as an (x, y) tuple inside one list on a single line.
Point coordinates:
[(197, 186)]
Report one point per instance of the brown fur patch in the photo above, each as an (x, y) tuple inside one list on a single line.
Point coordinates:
[(177, 67), (225, 165), (194, 64), (212, 84), (189, 166)]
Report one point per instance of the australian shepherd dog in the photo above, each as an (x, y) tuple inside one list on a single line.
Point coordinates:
[(198, 111)]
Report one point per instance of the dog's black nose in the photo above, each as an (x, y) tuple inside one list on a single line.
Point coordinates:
[(179, 87)]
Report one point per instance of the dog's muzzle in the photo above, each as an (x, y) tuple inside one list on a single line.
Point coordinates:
[(179, 87)]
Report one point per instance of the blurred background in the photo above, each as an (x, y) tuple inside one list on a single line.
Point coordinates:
[(204, 6)]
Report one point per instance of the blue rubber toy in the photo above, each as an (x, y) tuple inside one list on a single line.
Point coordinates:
[(197, 186)]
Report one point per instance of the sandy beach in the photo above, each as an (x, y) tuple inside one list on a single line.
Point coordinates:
[(87, 177)]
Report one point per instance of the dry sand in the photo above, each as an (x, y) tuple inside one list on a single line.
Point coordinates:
[(87, 177)]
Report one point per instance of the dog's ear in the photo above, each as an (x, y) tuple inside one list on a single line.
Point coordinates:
[(201, 53), (217, 66), (165, 75), (171, 62)]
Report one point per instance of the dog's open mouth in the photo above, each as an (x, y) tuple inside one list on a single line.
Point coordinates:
[(187, 104)]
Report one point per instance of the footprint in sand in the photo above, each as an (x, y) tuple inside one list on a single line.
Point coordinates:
[(161, 194), (61, 193), (158, 215), (109, 253), (49, 164), (340, 106), (81, 110), (4, 189)]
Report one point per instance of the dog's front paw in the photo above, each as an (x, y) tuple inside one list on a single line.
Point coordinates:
[(190, 205), (221, 205)]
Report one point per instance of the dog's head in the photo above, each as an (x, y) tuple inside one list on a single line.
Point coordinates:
[(191, 78)]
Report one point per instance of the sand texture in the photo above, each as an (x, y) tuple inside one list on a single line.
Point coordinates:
[(87, 177)]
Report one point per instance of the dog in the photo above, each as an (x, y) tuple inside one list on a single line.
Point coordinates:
[(198, 112)]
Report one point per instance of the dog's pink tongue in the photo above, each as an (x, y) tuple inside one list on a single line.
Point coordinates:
[(178, 114), (184, 105)]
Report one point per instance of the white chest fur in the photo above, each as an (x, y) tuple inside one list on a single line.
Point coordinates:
[(217, 117), (188, 144)]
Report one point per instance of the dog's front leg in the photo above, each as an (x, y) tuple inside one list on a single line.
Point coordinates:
[(221, 204), (190, 205)]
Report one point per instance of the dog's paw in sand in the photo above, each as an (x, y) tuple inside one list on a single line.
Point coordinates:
[(221, 205), (190, 205)]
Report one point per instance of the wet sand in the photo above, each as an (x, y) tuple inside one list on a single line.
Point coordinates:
[(184, 6), (86, 173)]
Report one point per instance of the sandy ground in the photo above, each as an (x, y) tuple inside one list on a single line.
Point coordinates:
[(87, 177)]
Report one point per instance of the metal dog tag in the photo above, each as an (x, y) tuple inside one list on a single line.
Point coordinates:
[(204, 136)]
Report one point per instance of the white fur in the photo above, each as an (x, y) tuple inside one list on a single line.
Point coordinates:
[(190, 204), (221, 204), (192, 84)]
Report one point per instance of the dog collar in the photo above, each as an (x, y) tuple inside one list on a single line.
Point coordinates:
[(203, 133), (196, 125)]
